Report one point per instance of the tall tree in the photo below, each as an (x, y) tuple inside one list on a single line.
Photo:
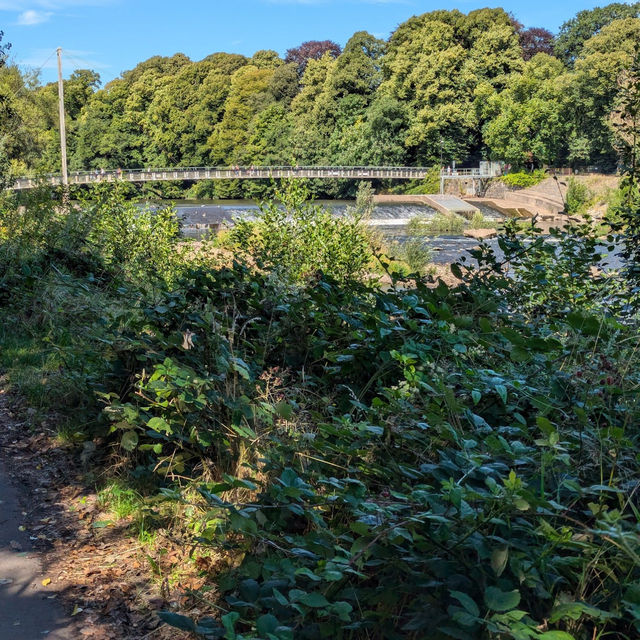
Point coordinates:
[(440, 64), (586, 24), (536, 40), (377, 138), (311, 124), (311, 50), (525, 123), (594, 88), (625, 122), (5, 161)]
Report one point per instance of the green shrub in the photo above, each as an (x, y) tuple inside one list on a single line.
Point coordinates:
[(65, 273), (420, 460), (299, 239), (478, 221), (430, 184), (523, 179), (415, 462), (578, 196), (416, 253), (440, 224), (140, 241)]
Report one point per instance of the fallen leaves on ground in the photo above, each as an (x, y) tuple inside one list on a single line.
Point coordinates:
[(101, 574)]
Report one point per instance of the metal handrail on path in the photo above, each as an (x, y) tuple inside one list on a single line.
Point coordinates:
[(242, 173)]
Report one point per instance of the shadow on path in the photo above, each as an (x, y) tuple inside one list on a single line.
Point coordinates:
[(48, 533), (28, 609)]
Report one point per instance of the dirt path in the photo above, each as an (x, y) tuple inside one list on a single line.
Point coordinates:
[(28, 609), (98, 583)]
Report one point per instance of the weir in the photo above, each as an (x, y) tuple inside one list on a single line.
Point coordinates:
[(450, 204), (439, 202)]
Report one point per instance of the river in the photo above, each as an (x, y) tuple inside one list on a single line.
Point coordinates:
[(201, 216)]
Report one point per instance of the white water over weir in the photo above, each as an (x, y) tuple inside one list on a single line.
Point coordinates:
[(485, 171)]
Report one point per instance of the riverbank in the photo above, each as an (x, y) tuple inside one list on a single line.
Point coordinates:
[(270, 444)]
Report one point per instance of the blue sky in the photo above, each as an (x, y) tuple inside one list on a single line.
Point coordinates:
[(111, 36)]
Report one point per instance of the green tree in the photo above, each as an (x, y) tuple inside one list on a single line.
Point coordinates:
[(310, 126), (586, 24), (439, 64), (349, 88), (594, 88), (248, 95), (525, 122), (377, 138), (5, 163), (625, 122)]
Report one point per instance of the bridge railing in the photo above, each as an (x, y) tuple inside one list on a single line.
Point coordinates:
[(246, 172), (100, 172), (473, 172)]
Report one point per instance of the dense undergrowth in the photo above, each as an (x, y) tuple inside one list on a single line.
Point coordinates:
[(414, 461)]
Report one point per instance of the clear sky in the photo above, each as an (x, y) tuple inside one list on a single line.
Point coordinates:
[(111, 36)]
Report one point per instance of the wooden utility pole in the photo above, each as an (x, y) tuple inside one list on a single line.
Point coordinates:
[(63, 132)]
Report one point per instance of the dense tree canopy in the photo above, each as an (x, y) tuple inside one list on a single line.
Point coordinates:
[(586, 24), (311, 50), (536, 40), (446, 86), (4, 99)]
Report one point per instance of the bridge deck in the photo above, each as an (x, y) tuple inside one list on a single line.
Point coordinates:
[(240, 173)]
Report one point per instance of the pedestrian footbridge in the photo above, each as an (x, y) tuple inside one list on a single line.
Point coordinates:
[(250, 173)]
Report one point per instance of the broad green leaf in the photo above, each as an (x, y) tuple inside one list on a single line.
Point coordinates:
[(266, 623), (514, 337), (129, 440), (464, 618), (485, 325), (331, 575), (499, 559), (178, 621), (159, 424), (280, 597), (467, 602), (284, 410), (498, 600), (313, 599), (240, 366), (588, 325), (545, 425), (342, 610), (520, 354), (229, 622), (249, 590), (304, 571)]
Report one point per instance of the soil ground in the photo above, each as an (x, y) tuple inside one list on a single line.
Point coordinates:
[(30, 608), (63, 573)]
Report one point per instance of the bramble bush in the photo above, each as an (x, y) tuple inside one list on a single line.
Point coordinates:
[(420, 461), (65, 270), (410, 463)]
